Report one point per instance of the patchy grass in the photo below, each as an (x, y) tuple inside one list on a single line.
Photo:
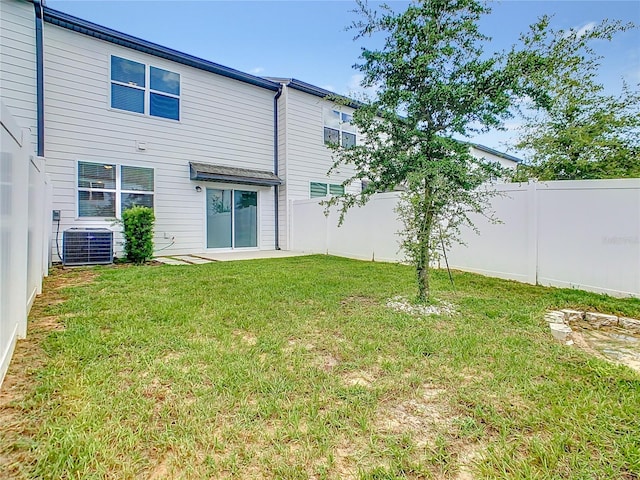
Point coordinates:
[(296, 368)]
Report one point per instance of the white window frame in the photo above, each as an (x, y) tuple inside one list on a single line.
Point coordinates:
[(147, 90), (328, 185), (342, 127), (118, 191)]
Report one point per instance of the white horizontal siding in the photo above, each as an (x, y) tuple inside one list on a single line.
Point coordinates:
[(223, 121), (490, 157), (283, 206), (308, 159), (18, 62)]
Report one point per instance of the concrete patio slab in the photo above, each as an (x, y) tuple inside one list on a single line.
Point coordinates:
[(248, 255)]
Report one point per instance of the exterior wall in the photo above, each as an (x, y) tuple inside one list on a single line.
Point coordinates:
[(223, 122), (304, 158), (506, 163), (308, 159), (18, 62), (283, 204)]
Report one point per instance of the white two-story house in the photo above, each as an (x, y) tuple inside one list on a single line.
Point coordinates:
[(218, 154)]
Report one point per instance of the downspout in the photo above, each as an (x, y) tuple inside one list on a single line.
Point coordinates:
[(276, 189), (38, 5)]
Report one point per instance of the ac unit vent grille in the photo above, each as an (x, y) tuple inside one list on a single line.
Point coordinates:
[(87, 246)]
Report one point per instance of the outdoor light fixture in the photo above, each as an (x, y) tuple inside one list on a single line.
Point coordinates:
[(198, 188)]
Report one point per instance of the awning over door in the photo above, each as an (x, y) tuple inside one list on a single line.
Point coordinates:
[(207, 172)]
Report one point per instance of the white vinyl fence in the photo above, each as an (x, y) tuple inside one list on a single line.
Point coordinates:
[(577, 234), (25, 198)]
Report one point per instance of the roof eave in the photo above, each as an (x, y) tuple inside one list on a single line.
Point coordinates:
[(214, 177), (497, 153), (91, 29), (197, 172), (322, 93)]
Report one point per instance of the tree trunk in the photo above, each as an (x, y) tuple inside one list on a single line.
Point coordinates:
[(424, 235), (423, 274)]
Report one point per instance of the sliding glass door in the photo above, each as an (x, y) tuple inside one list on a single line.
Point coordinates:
[(232, 218)]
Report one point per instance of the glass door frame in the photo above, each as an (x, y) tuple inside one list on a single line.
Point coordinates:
[(232, 189)]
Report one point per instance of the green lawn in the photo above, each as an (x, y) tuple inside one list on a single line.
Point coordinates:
[(296, 368)]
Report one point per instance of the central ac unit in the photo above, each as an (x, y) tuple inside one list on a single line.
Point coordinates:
[(87, 246)]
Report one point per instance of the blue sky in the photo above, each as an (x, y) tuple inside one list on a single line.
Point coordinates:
[(307, 39)]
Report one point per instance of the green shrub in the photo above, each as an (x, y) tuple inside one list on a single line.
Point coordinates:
[(138, 233)]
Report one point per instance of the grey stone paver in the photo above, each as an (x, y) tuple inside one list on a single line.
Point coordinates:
[(170, 261), (250, 255), (200, 258), (191, 259)]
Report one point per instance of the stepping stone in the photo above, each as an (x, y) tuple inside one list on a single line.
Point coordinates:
[(630, 324), (599, 320), (572, 315), (191, 259), (560, 331), (170, 261), (554, 317)]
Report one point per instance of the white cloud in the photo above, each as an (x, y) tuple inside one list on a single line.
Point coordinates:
[(633, 76), (355, 88), (355, 81), (256, 70), (581, 31)]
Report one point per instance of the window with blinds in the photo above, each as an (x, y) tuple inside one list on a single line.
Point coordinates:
[(320, 189), (136, 87), (106, 189), (338, 128)]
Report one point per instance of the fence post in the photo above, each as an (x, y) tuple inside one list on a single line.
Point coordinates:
[(532, 213), (46, 232)]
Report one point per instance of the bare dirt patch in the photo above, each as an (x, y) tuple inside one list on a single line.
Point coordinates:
[(344, 460), (27, 359), (248, 338), (423, 416), (161, 470), (468, 455), (360, 379)]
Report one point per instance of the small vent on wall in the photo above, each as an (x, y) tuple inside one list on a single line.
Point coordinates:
[(87, 246)]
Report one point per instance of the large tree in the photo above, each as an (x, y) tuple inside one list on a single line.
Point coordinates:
[(434, 82), (580, 131)]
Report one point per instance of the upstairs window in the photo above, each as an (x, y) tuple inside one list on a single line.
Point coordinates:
[(338, 129), (319, 189), (136, 87)]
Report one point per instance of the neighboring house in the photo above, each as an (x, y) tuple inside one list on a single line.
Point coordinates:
[(489, 154), (219, 154)]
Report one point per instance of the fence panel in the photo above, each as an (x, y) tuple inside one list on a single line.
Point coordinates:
[(580, 234), (589, 235), (506, 249), (24, 203), (308, 227)]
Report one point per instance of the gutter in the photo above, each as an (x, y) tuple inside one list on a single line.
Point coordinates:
[(276, 190), (39, 10)]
